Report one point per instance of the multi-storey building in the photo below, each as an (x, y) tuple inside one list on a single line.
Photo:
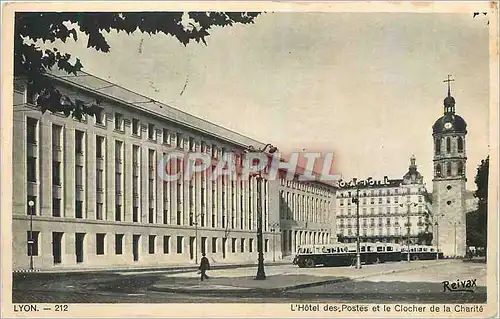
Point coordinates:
[(392, 210), (307, 213), (98, 198)]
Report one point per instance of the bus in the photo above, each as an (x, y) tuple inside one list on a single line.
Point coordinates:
[(421, 252), (344, 254)]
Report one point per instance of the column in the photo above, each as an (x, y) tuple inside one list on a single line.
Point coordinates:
[(109, 160), (144, 179), (159, 186), (45, 166), (91, 168), (69, 172)]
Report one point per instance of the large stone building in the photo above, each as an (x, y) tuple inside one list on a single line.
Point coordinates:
[(99, 201), (449, 193), (392, 210), (307, 213)]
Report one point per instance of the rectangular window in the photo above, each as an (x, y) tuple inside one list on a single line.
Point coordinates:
[(118, 151), (118, 183), (266, 245), (151, 216), (179, 140), (56, 173), (79, 177), (233, 245), (136, 127), (79, 136), (192, 144), (32, 240), (56, 207), (151, 132), (99, 243), (99, 211), (135, 214), (179, 244), (119, 244), (56, 137), (118, 122), (166, 244), (31, 169), (31, 125), (166, 137), (135, 155), (152, 241), (242, 245), (99, 116), (78, 209), (214, 245), (118, 213), (99, 146), (250, 245), (99, 180)]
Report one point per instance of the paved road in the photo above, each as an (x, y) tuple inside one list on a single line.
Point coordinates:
[(422, 285)]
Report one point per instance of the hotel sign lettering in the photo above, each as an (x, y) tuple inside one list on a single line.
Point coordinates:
[(367, 182)]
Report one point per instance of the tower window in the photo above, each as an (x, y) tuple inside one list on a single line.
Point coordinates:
[(448, 187), (448, 145), (438, 170), (438, 146), (460, 169), (448, 202), (460, 145), (448, 169)]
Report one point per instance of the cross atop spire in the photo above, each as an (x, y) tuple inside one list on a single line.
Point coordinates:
[(449, 80)]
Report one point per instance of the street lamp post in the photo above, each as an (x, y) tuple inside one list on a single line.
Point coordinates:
[(408, 205), (31, 241), (261, 274), (195, 223), (358, 256)]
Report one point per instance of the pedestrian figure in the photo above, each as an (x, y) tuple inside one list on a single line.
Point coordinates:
[(204, 266)]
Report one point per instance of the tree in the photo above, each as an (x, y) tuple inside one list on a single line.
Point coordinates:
[(32, 61), (477, 221)]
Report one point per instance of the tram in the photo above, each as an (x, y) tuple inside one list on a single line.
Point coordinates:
[(344, 254)]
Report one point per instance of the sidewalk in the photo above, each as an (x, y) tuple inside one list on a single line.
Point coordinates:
[(172, 268), (278, 279)]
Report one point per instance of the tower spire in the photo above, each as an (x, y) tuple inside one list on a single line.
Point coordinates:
[(449, 86), (449, 101)]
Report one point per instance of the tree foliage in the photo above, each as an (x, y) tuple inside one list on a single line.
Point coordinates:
[(32, 61), (477, 221)]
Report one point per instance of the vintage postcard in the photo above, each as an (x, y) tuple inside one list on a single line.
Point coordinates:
[(249, 159)]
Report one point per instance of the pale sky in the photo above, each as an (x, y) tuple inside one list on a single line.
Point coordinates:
[(366, 86)]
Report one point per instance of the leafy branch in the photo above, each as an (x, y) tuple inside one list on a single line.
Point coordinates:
[(32, 62)]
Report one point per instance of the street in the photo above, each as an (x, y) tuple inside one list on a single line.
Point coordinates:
[(392, 282)]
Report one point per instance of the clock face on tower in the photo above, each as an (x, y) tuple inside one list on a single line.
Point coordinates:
[(447, 125)]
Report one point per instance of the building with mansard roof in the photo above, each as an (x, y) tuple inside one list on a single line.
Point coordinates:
[(99, 202), (391, 210)]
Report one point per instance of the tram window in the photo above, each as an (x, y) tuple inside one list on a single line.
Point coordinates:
[(380, 249), (389, 248), (432, 249), (368, 248), (420, 249), (363, 248)]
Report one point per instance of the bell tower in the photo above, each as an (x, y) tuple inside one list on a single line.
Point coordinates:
[(448, 205)]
